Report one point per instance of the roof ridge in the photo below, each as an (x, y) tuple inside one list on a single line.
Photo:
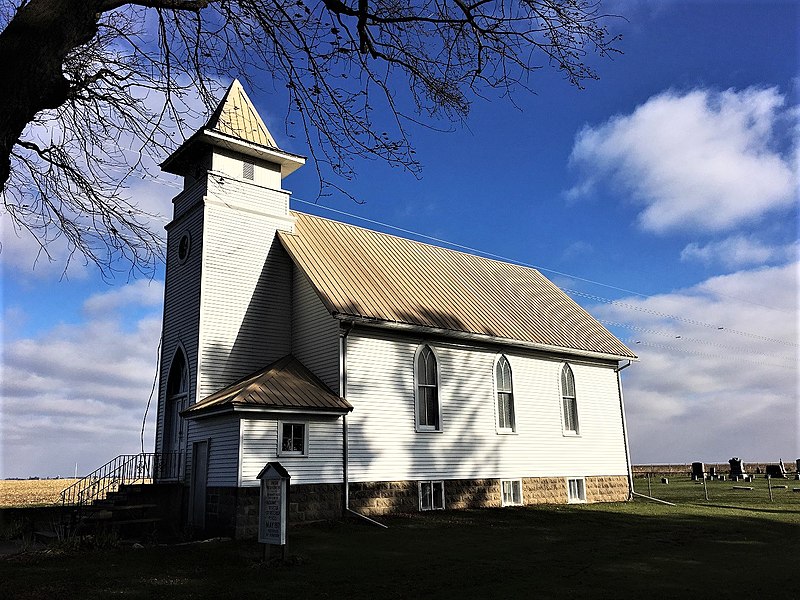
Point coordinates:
[(511, 262)]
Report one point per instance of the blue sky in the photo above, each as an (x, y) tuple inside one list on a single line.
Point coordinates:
[(673, 177)]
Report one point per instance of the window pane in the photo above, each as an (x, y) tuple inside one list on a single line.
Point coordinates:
[(286, 444), (433, 408), (426, 367), (425, 501), (427, 406), (293, 438), (422, 406), (505, 411), (567, 381), (438, 494), (503, 375), (570, 414)]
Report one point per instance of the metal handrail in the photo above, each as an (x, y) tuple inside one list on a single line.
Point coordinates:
[(125, 469)]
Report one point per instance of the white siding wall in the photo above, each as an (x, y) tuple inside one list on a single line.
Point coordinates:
[(315, 333), (264, 173), (322, 465), (385, 446), (245, 318), (223, 448), (181, 297)]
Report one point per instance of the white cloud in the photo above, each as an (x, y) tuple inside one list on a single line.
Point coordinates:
[(78, 392), (702, 160), (705, 393), (23, 255), (147, 293), (738, 251)]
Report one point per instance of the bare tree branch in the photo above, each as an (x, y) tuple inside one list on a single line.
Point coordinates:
[(102, 86)]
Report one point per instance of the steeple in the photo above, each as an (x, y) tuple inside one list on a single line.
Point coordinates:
[(237, 127), (237, 118)]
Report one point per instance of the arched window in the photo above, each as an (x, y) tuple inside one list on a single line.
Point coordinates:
[(569, 400), (178, 381), (176, 401), (427, 401), (505, 396)]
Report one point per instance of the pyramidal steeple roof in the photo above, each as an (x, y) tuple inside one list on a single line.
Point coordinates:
[(234, 125), (237, 117)]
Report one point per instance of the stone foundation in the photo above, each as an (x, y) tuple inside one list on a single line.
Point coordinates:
[(234, 511), (607, 489), (387, 497)]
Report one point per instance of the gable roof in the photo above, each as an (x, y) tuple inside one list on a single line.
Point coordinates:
[(364, 275), (285, 385)]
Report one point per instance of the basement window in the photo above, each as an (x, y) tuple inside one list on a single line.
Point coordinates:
[(431, 495), (576, 490), (511, 492)]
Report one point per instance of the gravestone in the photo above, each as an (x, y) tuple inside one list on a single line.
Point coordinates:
[(737, 468), (775, 472), (698, 471), (712, 472), (797, 469)]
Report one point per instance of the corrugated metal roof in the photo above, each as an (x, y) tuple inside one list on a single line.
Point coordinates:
[(285, 384), (363, 274), (237, 117)]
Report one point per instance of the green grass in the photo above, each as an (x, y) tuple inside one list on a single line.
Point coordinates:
[(683, 490), (734, 545)]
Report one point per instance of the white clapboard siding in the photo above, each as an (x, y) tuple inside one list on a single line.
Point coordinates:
[(315, 333), (193, 193), (322, 465), (222, 434), (385, 446), (248, 196), (181, 304), (245, 321), (265, 173)]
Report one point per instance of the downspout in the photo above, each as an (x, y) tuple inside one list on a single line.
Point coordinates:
[(343, 394), (625, 430), (345, 443)]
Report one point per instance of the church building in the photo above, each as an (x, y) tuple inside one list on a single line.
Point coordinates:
[(385, 375)]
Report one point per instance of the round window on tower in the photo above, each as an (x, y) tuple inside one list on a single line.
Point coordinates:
[(184, 246)]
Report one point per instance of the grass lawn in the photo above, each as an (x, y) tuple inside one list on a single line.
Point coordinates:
[(737, 544)]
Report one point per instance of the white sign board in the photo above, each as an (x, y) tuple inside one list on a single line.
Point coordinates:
[(273, 504)]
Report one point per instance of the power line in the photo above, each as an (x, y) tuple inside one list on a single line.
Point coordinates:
[(575, 277), (678, 318), (684, 338), (633, 341)]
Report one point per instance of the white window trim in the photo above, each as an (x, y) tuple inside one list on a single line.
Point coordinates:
[(503, 430), (419, 491), (281, 452), (521, 494), (564, 431), (428, 428), (580, 500)]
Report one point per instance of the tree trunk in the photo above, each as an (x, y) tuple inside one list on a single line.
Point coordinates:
[(33, 48)]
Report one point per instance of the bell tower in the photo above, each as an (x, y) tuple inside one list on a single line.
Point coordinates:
[(227, 296)]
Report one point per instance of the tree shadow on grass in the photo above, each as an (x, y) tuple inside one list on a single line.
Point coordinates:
[(588, 551)]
